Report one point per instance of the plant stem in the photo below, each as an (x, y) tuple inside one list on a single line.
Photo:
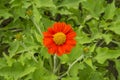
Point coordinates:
[(55, 63), (70, 66), (50, 62), (37, 27)]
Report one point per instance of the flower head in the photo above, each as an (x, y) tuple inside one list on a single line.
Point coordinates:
[(59, 39)]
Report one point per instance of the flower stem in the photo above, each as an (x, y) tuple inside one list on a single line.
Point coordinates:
[(55, 63), (70, 66)]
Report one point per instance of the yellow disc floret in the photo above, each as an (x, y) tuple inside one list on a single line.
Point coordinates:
[(59, 38)]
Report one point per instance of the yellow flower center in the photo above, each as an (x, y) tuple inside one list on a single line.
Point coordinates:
[(59, 38)]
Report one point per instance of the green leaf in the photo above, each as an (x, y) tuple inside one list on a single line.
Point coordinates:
[(13, 48), (50, 76), (17, 9), (94, 30), (19, 12), (4, 13), (41, 73), (37, 75), (64, 12), (9, 60), (89, 62), (92, 48), (2, 63), (27, 71), (85, 73), (27, 4), (110, 11), (70, 78), (24, 57), (107, 38), (82, 38), (16, 71), (74, 70), (44, 52), (64, 59), (117, 62), (71, 3), (75, 53), (47, 22), (36, 15), (38, 37), (43, 3), (115, 27), (117, 13), (95, 8), (95, 76), (104, 53)]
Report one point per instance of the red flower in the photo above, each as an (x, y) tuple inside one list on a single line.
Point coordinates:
[(59, 39)]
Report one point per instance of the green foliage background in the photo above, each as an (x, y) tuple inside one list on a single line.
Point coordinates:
[(24, 57)]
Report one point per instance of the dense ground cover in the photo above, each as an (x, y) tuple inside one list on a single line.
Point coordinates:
[(23, 55)]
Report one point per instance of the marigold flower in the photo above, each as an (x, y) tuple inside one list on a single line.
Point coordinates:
[(59, 39)]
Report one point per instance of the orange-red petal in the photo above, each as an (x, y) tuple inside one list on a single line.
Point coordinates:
[(59, 27), (71, 42), (51, 30), (47, 34), (47, 42), (67, 48), (71, 35), (60, 51), (67, 28), (52, 49)]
